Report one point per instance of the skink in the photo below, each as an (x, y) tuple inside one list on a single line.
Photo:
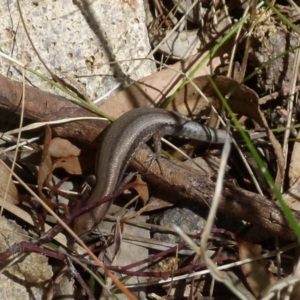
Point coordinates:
[(121, 140)]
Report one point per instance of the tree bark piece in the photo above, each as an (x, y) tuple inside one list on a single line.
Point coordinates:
[(42, 107), (235, 202)]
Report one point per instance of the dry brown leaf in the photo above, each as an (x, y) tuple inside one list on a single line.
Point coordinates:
[(243, 101), (26, 217), (45, 167), (188, 101), (12, 192), (256, 272), (62, 148), (150, 90), (117, 240), (294, 168), (292, 196), (142, 188), (157, 203), (67, 154), (296, 292), (71, 165)]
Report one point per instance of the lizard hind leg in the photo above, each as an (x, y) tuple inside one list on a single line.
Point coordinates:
[(157, 150)]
